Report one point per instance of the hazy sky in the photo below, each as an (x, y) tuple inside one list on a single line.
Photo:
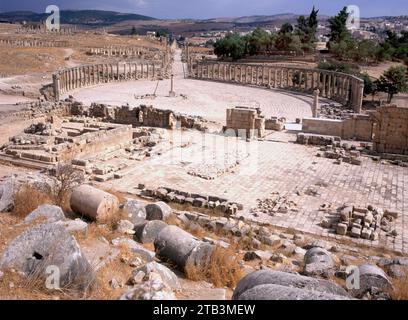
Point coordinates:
[(214, 8)]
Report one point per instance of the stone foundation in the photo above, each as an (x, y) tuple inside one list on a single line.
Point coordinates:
[(248, 120)]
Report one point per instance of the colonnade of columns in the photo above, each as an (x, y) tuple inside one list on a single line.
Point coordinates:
[(88, 75), (344, 88), (33, 43)]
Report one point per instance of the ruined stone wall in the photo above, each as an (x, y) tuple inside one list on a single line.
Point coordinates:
[(89, 75), (245, 119), (33, 43), (359, 127), (343, 88), (391, 130), (91, 143), (142, 115)]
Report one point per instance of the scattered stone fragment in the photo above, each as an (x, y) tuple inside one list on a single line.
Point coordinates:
[(318, 261)]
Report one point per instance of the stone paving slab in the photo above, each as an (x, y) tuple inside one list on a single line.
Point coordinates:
[(283, 167)]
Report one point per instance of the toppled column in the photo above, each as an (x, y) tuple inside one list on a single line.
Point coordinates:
[(93, 203), (182, 249)]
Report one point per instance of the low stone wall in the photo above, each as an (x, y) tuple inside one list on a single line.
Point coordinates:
[(343, 88), (89, 75), (91, 143), (143, 115), (359, 127)]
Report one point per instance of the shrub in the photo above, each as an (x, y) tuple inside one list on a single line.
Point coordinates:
[(29, 198), (222, 270)]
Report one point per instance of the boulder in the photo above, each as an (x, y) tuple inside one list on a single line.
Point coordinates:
[(268, 276), (93, 203), (47, 213), (11, 185), (150, 290), (125, 227), (7, 196), (371, 277), (136, 211), (277, 292), (318, 261), (135, 247), (158, 211), (168, 276), (175, 245), (147, 232), (46, 245), (72, 226)]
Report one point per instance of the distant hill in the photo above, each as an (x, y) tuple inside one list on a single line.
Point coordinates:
[(80, 17), (286, 17)]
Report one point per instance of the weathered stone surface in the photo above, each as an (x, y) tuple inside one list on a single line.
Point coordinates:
[(258, 254), (355, 232), (47, 213), (135, 247), (277, 292), (125, 227), (272, 240), (136, 211), (150, 290), (72, 226), (147, 232), (93, 203), (168, 276), (7, 196), (11, 185), (341, 229), (371, 277), (397, 271), (47, 245), (318, 261), (158, 211), (200, 256), (317, 244), (175, 245), (268, 276)]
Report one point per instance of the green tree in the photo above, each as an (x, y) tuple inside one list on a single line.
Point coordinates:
[(366, 50), (287, 40), (306, 28), (393, 81), (231, 46), (370, 86), (161, 33), (343, 49), (259, 41), (133, 32), (338, 27)]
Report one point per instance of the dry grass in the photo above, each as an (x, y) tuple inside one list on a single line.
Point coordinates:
[(14, 60), (223, 269), (195, 229), (400, 291), (117, 194), (28, 199), (118, 270)]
